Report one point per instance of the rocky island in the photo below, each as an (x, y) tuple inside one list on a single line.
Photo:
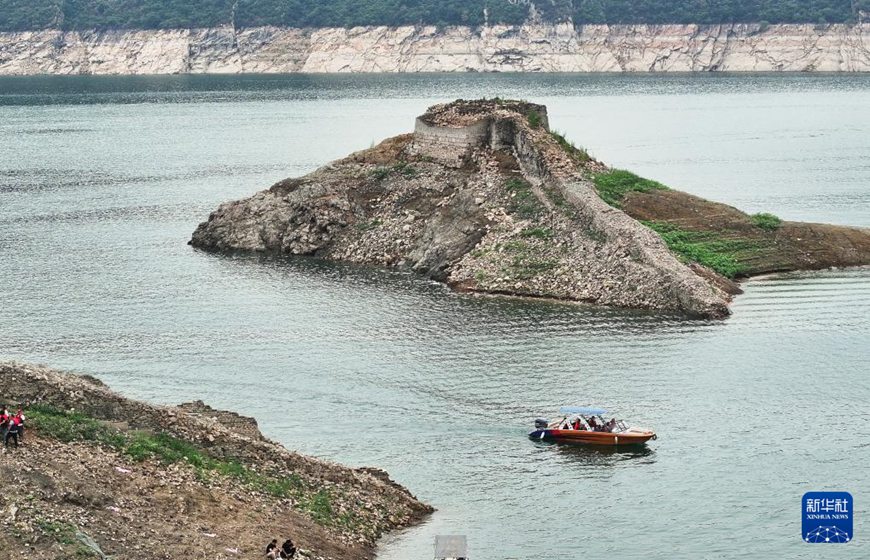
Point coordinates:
[(100, 475), (485, 197)]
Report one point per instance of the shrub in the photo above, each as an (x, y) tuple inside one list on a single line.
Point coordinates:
[(381, 173), (534, 119), (403, 168), (766, 221)]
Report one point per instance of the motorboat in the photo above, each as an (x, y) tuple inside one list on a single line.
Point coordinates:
[(587, 426)]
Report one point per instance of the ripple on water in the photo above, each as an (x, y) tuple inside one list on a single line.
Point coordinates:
[(100, 191)]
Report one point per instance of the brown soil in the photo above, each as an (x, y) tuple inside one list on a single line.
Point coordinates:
[(153, 511), (160, 511), (793, 246)]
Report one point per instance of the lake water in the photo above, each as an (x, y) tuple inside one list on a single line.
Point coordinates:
[(102, 181)]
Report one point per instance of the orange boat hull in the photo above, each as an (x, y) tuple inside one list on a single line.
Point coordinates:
[(593, 438)]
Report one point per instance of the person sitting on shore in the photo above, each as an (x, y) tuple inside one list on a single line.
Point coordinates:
[(272, 550), (288, 549)]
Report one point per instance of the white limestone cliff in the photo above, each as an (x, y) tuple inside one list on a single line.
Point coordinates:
[(528, 48)]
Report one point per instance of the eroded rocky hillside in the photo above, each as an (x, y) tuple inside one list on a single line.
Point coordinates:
[(484, 197), (99, 475)]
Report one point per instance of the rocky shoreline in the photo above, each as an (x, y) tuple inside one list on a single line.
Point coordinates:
[(496, 48), (103, 474), (483, 196)]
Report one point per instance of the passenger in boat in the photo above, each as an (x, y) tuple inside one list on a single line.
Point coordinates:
[(577, 425), (611, 425), (593, 424)]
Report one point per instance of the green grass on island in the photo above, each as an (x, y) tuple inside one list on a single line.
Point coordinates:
[(613, 185), (579, 155), (142, 446), (523, 201), (766, 221), (707, 248)]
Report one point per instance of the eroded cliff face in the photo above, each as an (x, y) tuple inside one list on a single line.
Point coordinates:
[(528, 48), (93, 463)]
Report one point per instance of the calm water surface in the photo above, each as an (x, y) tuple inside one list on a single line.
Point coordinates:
[(102, 180)]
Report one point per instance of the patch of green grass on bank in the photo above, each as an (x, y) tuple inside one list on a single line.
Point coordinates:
[(167, 449), (705, 247), (526, 259), (319, 506), (537, 233), (59, 531), (402, 168), (72, 426), (613, 185), (371, 224), (579, 155), (523, 203), (526, 268), (534, 119), (766, 221), (405, 169)]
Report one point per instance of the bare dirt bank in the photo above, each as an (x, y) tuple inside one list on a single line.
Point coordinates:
[(173, 482)]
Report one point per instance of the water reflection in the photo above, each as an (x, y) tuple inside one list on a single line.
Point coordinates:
[(597, 456)]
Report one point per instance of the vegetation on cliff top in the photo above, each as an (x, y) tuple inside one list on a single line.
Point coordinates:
[(17, 15), (612, 186)]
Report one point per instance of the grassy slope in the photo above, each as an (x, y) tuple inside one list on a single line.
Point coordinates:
[(86, 481), (69, 427), (731, 242)]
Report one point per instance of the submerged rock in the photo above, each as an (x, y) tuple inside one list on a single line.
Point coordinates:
[(485, 198)]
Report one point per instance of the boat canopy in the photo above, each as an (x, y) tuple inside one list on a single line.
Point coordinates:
[(582, 410)]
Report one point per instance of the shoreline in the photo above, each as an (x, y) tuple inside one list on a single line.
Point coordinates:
[(531, 48), (210, 461)]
